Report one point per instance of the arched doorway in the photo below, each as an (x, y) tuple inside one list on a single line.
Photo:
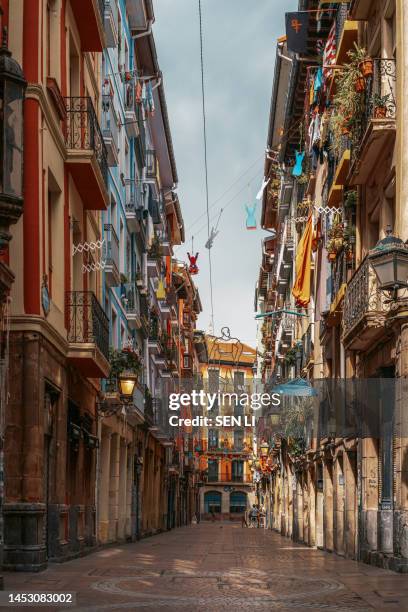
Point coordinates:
[(238, 502), (212, 502)]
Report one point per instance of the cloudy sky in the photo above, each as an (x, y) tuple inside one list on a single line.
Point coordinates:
[(239, 56)]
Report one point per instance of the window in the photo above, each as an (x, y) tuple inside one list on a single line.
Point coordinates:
[(186, 362), (114, 320), (212, 502), (238, 439), (238, 470), (212, 470), (238, 502), (212, 438)]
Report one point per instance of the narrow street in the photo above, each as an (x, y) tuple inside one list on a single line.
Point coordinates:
[(218, 566)]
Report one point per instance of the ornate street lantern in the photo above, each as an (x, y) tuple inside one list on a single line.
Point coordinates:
[(264, 448), (12, 90), (389, 259), (127, 381)]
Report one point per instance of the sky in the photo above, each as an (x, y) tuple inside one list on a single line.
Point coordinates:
[(239, 59)]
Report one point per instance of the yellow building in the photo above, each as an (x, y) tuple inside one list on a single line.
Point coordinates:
[(224, 449)]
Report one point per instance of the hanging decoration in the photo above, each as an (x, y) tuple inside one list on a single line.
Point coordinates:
[(160, 291), (214, 232), (251, 219), (93, 266), (87, 246), (298, 167), (262, 189), (192, 268)]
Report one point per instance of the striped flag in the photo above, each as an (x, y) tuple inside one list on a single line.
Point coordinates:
[(329, 55)]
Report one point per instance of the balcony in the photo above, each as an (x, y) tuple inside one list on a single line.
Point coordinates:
[(365, 309), (111, 256), (110, 130), (90, 17), (130, 302), (227, 477), (346, 34), (360, 9), (338, 173), (111, 23), (88, 334), (87, 156), (151, 165), (138, 17), (374, 134), (131, 120), (134, 205)]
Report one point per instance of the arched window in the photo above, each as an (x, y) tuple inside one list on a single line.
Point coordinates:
[(212, 502), (238, 502)]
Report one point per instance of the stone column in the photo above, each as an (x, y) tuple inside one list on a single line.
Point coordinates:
[(328, 505), (350, 504), (122, 500), (338, 482), (369, 492), (129, 489), (104, 479), (401, 225), (114, 488)]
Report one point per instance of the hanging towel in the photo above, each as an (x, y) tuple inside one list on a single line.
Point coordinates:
[(262, 189), (303, 266), (251, 219)]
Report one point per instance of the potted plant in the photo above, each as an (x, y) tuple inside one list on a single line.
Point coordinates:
[(380, 106), (359, 84), (350, 201), (331, 250)]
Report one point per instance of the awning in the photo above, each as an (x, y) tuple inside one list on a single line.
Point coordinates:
[(296, 388)]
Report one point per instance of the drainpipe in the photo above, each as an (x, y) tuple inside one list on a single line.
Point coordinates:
[(146, 32)]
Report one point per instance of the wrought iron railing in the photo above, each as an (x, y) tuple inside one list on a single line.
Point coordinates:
[(129, 95), (110, 128), (129, 298), (341, 17), (307, 342), (82, 130), (339, 275), (151, 164), (134, 195), (111, 246), (87, 322), (379, 100), (363, 297), (141, 139)]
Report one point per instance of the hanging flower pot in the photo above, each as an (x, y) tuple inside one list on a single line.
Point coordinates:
[(128, 76), (380, 112), (331, 256), (366, 67), (338, 243), (350, 256), (359, 85)]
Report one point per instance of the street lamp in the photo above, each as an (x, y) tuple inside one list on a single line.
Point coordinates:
[(127, 382), (264, 448), (389, 259), (12, 90)]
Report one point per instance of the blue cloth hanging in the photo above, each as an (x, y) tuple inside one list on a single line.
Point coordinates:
[(251, 219), (298, 167)]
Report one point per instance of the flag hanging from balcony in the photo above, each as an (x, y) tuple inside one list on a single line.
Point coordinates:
[(329, 55), (297, 25), (303, 266)]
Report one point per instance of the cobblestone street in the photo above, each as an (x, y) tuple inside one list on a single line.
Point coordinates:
[(218, 567)]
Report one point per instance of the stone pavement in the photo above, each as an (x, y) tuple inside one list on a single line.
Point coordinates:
[(217, 566)]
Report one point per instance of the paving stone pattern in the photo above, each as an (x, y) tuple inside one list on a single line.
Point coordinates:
[(210, 567)]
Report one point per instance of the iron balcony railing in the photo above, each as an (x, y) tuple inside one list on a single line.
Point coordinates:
[(87, 322), (141, 139), (111, 246), (339, 275), (363, 297), (129, 298), (82, 130), (341, 17), (110, 128), (151, 164), (134, 195), (129, 95), (379, 100)]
